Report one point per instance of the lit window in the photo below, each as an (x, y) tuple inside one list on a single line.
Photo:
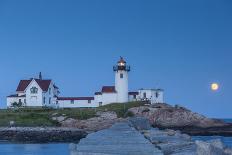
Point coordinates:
[(121, 76), (34, 90)]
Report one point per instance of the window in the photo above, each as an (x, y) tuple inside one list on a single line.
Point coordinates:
[(156, 94), (100, 104), (44, 100), (144, 95), (134, 96), (49, 100), (20, 101), (25, 101), (49, 90), (89, 101), (34, 90), (72, 101), (121, 75)]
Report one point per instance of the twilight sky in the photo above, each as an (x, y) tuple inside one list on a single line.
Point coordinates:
[(176, 45)]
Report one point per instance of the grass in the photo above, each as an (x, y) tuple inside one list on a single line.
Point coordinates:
[(43, 116)]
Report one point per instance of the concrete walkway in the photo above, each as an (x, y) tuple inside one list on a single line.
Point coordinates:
[(120, 139)]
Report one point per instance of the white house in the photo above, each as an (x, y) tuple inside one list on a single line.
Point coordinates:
[(35, 93), (39, 92)]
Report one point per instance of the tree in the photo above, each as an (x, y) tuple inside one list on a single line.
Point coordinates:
[(17, 104)]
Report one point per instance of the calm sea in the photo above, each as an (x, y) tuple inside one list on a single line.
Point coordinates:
[(63, 149)]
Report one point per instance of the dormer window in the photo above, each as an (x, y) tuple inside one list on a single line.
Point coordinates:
[(34, 90)]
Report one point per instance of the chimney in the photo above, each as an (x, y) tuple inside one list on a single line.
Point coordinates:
[(40, 75)]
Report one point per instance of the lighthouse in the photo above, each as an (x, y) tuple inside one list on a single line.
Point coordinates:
[(121, 80)]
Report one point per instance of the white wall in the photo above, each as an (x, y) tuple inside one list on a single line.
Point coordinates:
[(49, 95), (121, 86), (98, 99), (34, 100), (11, 100), (131, 98), (151, 95), (109, 98), (76, 104), (159, 99)]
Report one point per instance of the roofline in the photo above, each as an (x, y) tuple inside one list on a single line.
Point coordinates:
[(151, 89), (74, 98)]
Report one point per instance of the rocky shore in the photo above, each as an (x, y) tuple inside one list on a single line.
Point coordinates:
[(165, 116), (41, 135), (172, 142)]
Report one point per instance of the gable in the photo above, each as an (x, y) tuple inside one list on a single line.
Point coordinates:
[(23, 84)]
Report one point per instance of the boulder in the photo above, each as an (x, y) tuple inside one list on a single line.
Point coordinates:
[(140, 123), (214, 147), (102, 121)]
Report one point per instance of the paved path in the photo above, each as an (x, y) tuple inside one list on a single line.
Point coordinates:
[(120, 139)]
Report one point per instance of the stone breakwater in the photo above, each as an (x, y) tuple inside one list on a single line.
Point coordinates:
[(137, 137), (41, 134)]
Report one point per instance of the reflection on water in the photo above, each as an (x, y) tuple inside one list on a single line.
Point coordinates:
[(34, 149)]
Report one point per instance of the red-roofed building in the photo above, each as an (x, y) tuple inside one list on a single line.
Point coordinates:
[(35, 92)]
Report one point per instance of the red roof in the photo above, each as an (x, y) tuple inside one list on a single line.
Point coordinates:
[(75, 98), (44, 84), (108, 89), (133, 93)]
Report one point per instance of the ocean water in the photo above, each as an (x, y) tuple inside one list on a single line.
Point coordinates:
[(63, 149), (34, 149)]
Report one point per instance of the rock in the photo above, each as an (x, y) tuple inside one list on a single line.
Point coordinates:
[(165, 116), (102, 121), (228, 151), (107, 115), (178, 147), (214, 147), (217, 143), (12, 123), (140, 123), (59, 118)]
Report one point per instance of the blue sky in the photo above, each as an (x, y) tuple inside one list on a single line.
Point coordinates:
[(180, 46)]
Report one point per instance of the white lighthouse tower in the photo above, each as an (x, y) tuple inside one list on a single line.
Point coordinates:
[(121, 80)]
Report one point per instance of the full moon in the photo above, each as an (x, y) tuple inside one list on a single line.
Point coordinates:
[(214, 86)]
